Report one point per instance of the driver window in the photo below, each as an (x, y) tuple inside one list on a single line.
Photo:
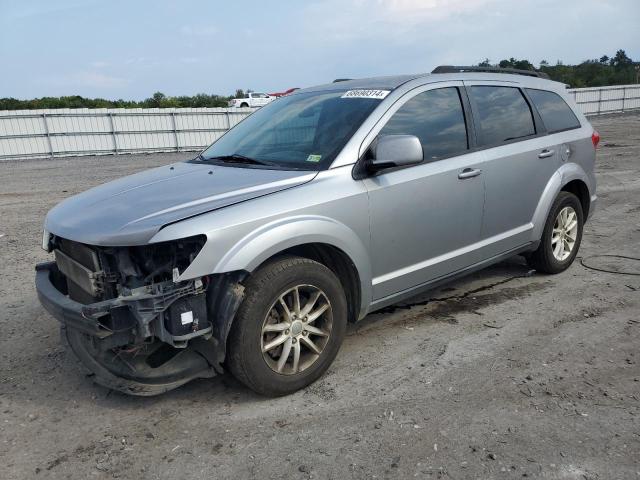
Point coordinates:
[(436, 117)]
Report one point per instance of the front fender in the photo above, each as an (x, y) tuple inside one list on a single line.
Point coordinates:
[(565, 174), (266, 241), (257, 246)]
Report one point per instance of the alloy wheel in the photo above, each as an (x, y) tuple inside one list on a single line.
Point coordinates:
[(296, 329), (565, 233)]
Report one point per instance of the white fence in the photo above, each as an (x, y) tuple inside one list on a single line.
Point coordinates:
[(65, 132), (598, 100)]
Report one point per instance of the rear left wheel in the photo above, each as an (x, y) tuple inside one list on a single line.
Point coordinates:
[(289, 327), (561, 236)]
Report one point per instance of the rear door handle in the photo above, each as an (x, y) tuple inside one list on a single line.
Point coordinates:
[(469, 173), (546, 153)]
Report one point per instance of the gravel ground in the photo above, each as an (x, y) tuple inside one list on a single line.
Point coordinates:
[(500, 375)]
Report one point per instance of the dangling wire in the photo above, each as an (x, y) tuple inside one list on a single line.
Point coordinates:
[(599, 269)]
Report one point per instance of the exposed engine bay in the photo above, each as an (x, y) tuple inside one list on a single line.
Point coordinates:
[(148, 330)]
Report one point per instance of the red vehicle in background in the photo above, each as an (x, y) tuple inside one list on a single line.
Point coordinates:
[(282, 94)]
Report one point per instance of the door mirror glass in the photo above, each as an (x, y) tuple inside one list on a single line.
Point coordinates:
[(396, 151)]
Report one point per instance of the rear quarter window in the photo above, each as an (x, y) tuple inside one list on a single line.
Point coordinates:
[(501, 114), (556, 114)]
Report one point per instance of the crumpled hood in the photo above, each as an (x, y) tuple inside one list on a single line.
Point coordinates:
[(129, 211)]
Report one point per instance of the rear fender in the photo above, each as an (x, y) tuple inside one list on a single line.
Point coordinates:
[(565, 174)]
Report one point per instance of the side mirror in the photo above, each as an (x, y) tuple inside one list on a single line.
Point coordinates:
[(396, 151)]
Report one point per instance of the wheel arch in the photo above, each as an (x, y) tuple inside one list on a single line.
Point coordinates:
[(339, 263), (571, 177), (318, 238), (579, 188)]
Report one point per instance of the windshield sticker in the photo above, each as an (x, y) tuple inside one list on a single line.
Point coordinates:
[(379, 94), (314, 158)]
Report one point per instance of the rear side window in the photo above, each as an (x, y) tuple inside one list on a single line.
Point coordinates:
[(502, 114), (436, 118), (556, 114)]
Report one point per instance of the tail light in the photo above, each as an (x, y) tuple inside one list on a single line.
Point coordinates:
[(595, 139)]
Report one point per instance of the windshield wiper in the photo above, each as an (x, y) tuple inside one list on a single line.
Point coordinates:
[(236, 158)]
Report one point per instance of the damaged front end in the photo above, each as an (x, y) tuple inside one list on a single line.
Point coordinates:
[(128, 317)]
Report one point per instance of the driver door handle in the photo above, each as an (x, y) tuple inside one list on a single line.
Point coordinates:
[(546, 153), (469, 173)]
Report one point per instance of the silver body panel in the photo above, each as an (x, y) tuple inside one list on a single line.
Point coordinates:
[(403, 230), (130, 210)]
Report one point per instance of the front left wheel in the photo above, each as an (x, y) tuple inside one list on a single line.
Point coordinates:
[(289, 327)]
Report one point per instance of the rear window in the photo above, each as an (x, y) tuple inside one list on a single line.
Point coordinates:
[(502, 113), (556, 114)]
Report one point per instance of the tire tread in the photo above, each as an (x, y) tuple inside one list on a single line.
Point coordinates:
[(263, 277), (542, 258)]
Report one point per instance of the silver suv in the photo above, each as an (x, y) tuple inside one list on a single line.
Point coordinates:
[(317, 209)]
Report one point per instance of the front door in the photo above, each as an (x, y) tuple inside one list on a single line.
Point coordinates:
[(425, 218)]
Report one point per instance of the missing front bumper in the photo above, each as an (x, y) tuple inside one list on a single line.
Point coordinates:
[(145, 368), (158, 310), (51, 288), (143, 365)]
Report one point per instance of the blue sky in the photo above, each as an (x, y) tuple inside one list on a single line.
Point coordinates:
[(130, 49)]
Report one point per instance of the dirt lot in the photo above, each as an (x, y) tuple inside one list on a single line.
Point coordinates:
[(501, 375)]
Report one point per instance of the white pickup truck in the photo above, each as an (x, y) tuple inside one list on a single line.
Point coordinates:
[(252, 99)]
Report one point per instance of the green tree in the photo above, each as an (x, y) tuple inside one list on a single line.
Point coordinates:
[(617, 70), (514, 63), (156, 100), (620, 59)]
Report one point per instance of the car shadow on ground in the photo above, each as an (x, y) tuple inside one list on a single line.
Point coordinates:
[(465, 295)]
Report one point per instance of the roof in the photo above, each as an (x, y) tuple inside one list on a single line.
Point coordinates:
[(395, 81), (489, 69), (382, 83)]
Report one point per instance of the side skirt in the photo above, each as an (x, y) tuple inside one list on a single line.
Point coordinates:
[(437, 282)]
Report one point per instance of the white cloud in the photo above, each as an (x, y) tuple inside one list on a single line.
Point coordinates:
[(344, 20), (86, 79), (26, 11), (97, 80), (136, 60), (419, 10), (198, 31)]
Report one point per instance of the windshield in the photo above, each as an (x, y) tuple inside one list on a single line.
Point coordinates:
[(305, 131)]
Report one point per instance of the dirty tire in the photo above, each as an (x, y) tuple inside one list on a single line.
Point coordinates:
[(543, 259), (244, 355)]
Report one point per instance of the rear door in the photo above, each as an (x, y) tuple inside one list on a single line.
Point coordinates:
[(518, 164), (561, 125), (425, 218)]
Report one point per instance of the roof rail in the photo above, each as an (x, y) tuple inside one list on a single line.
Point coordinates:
[(342, 80), (515, 71)]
